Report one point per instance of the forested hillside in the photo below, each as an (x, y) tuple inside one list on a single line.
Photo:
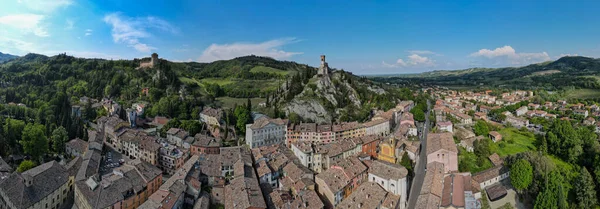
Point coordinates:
[(579, 72), (6, 57)]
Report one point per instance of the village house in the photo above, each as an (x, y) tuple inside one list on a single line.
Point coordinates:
[(309, 132), (391, 177), (491, 176), (380, 127), (265, 131), (441, 148), (581, 112), (211, 116), (445, 126), (44, 186), (516, 121), (464, 119), (127, 187), (138, 145), (339, 181), (480, 116), (589, 121), (171, 158), (76, 147), (495, 136), (521, 111), (432, 187), (370, 195), (348, 130), (458, 191), (177, 136), (205, 144)]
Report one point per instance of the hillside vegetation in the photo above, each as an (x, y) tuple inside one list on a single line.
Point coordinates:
[(578, 72)]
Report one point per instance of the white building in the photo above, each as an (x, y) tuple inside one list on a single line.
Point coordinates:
[(392, 178), (521, 111), (491, 176), (265, 132), (379, 127), (445, 126)]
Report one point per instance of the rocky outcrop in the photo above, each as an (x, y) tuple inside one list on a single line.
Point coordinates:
[(320, 98), (309, 110)]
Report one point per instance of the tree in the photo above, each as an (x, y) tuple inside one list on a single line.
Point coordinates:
[(481, 128), (584, 187), (418, 114), (407, 163), (191, 126), (59, 138), (243, 117), (521, 174), (552, 196), (25, 165), (34, 140)]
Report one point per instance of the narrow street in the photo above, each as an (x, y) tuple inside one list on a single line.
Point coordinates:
[(417, 181)]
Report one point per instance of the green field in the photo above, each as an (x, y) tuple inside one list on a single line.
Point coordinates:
[(187, 80), (468, 162), (583, 94), (229, 102), (514, 141), (264, 69), (220, 81)]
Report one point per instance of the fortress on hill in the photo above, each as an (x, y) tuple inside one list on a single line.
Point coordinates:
[(324, 68), (150, 64)]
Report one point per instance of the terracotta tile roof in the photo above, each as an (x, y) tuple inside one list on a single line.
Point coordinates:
[(439, 141), (496, 160), (368, 195), (490, 173), (387, 170), (264, 121)]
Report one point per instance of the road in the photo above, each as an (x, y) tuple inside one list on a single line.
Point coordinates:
[(417, 181)]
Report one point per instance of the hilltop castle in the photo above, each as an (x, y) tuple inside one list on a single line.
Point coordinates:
[(324, 68), (153, 62)]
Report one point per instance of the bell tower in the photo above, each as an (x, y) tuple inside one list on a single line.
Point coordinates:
[(324, 68)]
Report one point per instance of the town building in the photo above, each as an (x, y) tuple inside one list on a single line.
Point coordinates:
[(441, 148), (491, 176), (45, 186), (127, 187), (581, 112), (138, 145), (211, 116), (392, 178), (516, 121), (432, 188), (265, 132), (339, 181), (177, 136), (205, 144), (495, 136), (76, 147), (380, 127), (369, 195), (170, 195), (387, 150), (171, 158), (445, 126), (521, 111)]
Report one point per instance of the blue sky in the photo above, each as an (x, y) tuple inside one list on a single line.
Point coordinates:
[(364, 37)]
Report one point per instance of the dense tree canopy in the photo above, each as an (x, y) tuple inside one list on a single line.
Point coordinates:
[(521, 174)]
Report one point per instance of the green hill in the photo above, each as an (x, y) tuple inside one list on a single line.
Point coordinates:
[(579, 72), (6, 57)]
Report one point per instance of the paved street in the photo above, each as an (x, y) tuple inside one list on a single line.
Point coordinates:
[(417, 181)]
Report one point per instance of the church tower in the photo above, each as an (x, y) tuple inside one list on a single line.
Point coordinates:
[(324, 68)]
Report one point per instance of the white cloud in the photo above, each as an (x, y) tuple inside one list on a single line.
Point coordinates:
[(413, 60), (69, 24), (46, 6), (422, 52), (229, 51), (567, 55), (88, 32), (16, 46), (130, 31), (27, 23), (507, 55)]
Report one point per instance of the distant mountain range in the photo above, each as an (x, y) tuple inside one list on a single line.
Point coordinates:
[(6, 57), (576, 71)]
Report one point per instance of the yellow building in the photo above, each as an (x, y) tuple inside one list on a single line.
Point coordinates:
[(387, 151)]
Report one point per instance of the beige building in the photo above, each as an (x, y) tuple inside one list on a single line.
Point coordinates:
[(43, 187), (211, 116)]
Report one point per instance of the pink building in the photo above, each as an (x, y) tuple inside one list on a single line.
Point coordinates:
[(441, 148)]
